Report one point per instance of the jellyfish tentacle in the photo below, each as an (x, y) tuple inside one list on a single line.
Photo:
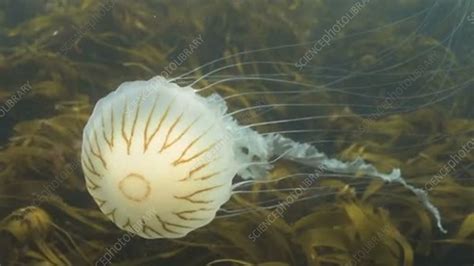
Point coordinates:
[(317, 88), (210, 73), (265, 106), (308, 155), (302, 44), (277, 201)]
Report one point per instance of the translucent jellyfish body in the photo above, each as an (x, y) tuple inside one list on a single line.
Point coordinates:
[(159, 159), (142, 152)]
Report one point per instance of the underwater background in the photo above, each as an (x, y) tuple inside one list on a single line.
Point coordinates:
[(395, 87)]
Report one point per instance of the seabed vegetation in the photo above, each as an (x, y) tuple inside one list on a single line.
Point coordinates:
[(58, 57)]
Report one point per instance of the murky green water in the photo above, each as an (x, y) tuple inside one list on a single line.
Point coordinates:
[(389, 82)]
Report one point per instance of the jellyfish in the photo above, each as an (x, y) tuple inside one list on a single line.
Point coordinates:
[(160, 159)]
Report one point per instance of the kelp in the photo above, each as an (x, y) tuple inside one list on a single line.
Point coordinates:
[(341, 221)]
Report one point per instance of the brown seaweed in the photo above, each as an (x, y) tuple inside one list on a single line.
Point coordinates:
[(72, 54)]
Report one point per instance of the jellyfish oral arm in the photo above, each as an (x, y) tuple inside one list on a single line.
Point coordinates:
[(276, 145), (266, 147)]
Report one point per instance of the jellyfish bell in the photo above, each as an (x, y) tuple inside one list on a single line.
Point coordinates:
[(168, 153), (159, 159)]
